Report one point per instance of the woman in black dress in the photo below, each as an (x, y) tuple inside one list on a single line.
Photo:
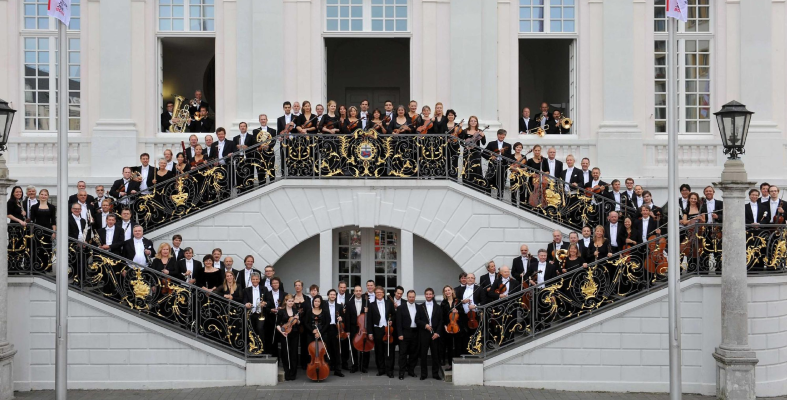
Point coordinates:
[(289, 341), (400, 124), (453, 128), (536, 196), (303, 305), (162, 175), (300, 154), (330, 123), (17, 245), (450, 341), (573, 260), (329, 145), (439, 120), (377, 123), (690, 219), (351, 123), (599, 246), (209, 277), (181, 166), (317, 321), (229, 289), (473, 141), (44, 215), (163, 261), (518, 181), (15, 211)]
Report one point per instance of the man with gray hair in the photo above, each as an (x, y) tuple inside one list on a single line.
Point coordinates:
[(30, 200), (253, 298), (81, 185), (504, 286)]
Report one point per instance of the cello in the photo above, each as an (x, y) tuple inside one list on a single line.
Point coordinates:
[(318, 369), (361, 340)]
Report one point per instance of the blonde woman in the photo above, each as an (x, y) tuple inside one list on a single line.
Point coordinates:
[(164, 262)]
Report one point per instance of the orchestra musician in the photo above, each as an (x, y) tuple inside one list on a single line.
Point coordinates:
[(630, 190), (377, 122), (599, 246), (555, 165), (774, 207), (254, 298), (526, 123), (439, 120), (147, 173), (471, 296), (504, 285), (289, 351), (584, 242), (331, 331), (620, 198), (449, 343), (555, 127), (429, 320), (358, 305), (197, 103), (453, 127), (389, 111), (205, 124), (683, 200), (556, 244), (187, 267), (614, 232), (646, 226), (243, 142), (407, 332), (712, 209), (380, 315), (191, 151), (472, 174), (285, 124), (266, 169), (304, 306), (754, 211), (111, 237), (571, 175), (522, 263), (537, 182), (498, 156), (167, 115), (124, 186), (364, 114), (343, 296), (542, 119), (517, 180), (489, 277), (274, 299), (352, 122), (412, 111), (596, 184)]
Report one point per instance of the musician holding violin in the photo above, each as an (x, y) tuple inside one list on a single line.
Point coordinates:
[(775, 206), (453, 128), (407, 332), (535, 195), (379, 325), (470, 296), (472, 174), (504, 285), (452, 315), (287, 324), (499, 152), (596, 185)]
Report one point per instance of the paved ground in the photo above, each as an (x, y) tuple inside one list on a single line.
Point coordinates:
[(353, 386)]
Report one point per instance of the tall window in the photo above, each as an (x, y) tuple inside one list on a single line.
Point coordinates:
[(350, 257), (40, 67), (186, 15), (366, 15), (694, 42), (365, 253), (551, 16)]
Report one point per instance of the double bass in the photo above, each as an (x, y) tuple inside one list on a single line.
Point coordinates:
[(318, 369)]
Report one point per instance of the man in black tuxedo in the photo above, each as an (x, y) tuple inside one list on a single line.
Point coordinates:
[(86, 211), (774, 206), (197, 103), (208, 151), (711, 208), (243, 142), (497, 168), (555, 128), (267, 169), (619, 197), (205, 123), (542, 118), (683, 200), (470, 297), (756, 213), (645, 227), (191, 149), (556, 244), (343, 296), (81, 185), (187, 266), (555, 165), (357, 305), (615, 232), (630, 191), (167, 115), (139, 249), (379, 316), (429, 320), (282, 124), (243, 277), (596, 182), (407, 332), (76, 224), (111, 236), (102, 212), (147, 173), (331, 333), (177, 251), (489, 277), (571, 175), (217, 263), (504, 279), (584, 242), (223, 148), (541, 270), (526, 123), (273, 299), (254, 299), (520, 264), (585, 174)]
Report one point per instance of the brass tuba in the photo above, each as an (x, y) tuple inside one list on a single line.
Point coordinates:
[(180, 116)]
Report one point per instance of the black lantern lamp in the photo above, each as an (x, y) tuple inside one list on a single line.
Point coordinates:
[(733, 119), (6, 118)]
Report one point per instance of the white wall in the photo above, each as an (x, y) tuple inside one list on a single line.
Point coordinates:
[(432, 268), (108, 348), (302, 262), (626, 349)]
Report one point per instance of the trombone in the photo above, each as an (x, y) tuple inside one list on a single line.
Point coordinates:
[(563, 122)]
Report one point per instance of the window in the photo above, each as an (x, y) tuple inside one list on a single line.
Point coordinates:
[(366, 253), (694, 41), (551, 16), (350, 257), (366, 15), (35, 16), (386, 259), (173, 14)]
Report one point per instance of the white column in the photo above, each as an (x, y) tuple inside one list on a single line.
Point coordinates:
[(245, 31), (115, 132), (619, 137), (226, 24), (326, 260), (270, 38), (406, 261), (7, 350), (735, 361), (508, 66)]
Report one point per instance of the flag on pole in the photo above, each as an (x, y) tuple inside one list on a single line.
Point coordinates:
[(678, 9), (60, 9)]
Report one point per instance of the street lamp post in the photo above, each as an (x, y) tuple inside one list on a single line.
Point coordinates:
[(735, 360), (6, 349)]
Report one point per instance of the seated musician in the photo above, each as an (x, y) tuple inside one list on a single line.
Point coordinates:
[(712, 209), (167, 115), (754, 211), (555, 127), (202, 122), (525, 122)]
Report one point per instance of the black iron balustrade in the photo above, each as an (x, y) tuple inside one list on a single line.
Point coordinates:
[(368, 155), (140, 290), (539, 310)]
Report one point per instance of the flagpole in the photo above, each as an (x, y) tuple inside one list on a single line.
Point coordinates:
[(61, 343), (673, 238)]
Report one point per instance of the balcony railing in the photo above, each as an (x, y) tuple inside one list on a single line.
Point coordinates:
[(145, 292), (368, 155), (530, 313)]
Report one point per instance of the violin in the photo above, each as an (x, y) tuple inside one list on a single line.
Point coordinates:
[(472, 141), (453, 318), (287, 327), (387, 119), (388, 332), (457, 129), (403, 128), (425, 127), (353, 125), (361, 340), (472, 319), (501, 289), (165, 286), (779, 217), (318, 368)]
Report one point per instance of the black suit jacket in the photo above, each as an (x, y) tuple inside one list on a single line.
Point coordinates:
[(403, 320), (576, 177), (513, 287), (151, 174), (551, 271), (205, 125), (767, 207), (525, 124), (73, 229), (422, 317), (763, 214), (240, 277), (90, 200), (478, 294), (270, 307), (117, 239), (583, 250), (621, 235), (558, 167), (373, 317), (251, 140), (248, 296), (555, 128), (194, 110), (624, 200), (129, 251), (229, 148), (180, 271), (581, 179), (281, 125), (485, 282), (551, 248), (718, 210), (637, 229), (518, 268), (115, 190), (493, 147), (589, 186), (165, 118), (351, 313), (272, 132)]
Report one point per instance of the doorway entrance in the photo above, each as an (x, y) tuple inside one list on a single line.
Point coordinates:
[(547, 73), (363, 68)]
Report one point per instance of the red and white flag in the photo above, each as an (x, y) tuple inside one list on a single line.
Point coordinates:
[(678, 9), (60, 9)]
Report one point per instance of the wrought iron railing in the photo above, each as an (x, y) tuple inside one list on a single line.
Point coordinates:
[(131, 287), (535, 311), (367, 155)]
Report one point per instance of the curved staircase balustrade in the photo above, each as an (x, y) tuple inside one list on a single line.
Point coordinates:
[(367, 155), (143, 291), (536, 311)]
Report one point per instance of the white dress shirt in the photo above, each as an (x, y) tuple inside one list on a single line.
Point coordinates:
[(110, 234), (429, 305), (411, 310), (711, 207), (247, 276), (542, 267), (139, 252), (630, 193), (126, 225), (616, 195), (30, 204), (176, 251), (340, 299), (774, 204), (255, 299), (104, 219), (587, 241), (468, 295), (645, 229), (170, 165), (80, 236), (505, 282), (190, 266), (381, 308), (755, 208), (84, 211), (551, 163), (371, 297), (332, 310), (358, 306), (220, 148), (567, 177), (144, 173), (275, 294), (613, 234), (585, 176)]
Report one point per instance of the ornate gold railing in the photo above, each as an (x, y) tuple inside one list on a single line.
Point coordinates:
[(131, 287), (533, 312)]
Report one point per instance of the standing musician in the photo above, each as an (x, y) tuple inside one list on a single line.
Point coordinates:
[(599, 246), (454, 128), (541, 269), (500, 153), (429, 320), (343, 297), (522, 263), (542, 119), (138, 249), (407, 332), (630, 190), (470, 297), (556, 244), (423, 120), (378, 122), (205, 124), (472, 174), (525, 122), (389, 111), (555, 127), (412, 112), (331, 331), (242, 143), (614, 232), (584, 243), (330, 122), (450, 308), (683, 200), (243, 277), (620, 198), (518, 181), (489, 277), (285, 123), (266, 169), (191, 150), (208, 152), (351, 123), (197, 103), (358, 305), (774, 207), (555, 165), (400, 123), (288, 316), (304, 304), (585, 174), (274, 299), (538, 182), (439, 120), (712, 209), (571, 175), (596, 185), (646, 226), (364, 114), (754, 211), (166, 116), (379, 317), (317, 323), (111, 237), (504, 285)]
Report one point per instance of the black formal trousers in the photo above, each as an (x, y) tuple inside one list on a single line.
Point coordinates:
[(270, 337), (428, 345), (289, 353), (383, 352), (450, 343), (408, 351), (257, 324), (331, 338)]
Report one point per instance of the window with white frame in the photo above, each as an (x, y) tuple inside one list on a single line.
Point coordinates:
[(40, 62), (366, 16), (547, 16), (186, 15), (694, 44), (368, 253)]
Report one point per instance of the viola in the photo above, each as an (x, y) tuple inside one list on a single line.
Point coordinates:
[(472, 319), (453, 318), (426, 126), (361, 340), (287, 327), (318, 368), (388, 332)]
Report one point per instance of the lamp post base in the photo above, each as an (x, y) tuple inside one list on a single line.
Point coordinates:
[(7, 352), (735, 374)]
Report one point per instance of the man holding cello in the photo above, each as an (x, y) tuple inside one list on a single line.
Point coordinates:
[(355, 308)]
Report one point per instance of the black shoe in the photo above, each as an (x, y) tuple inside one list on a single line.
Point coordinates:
[(380, 373), (436, 377), (338, 373), (364, 370), (411, 374), (401, 377), (423, 378), (390, 375), (354, 369)]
